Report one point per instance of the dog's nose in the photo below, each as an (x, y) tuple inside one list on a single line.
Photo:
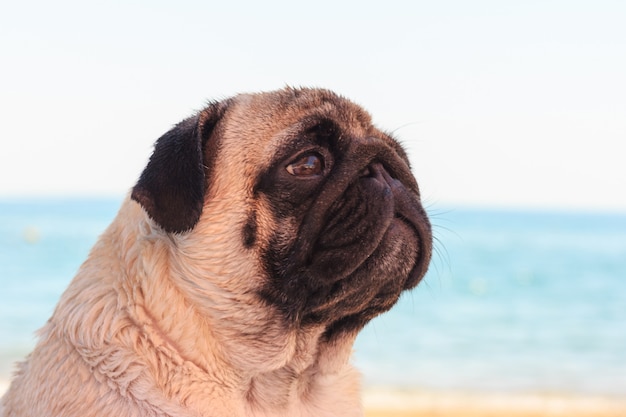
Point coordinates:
[(374, 169), (381, 160)]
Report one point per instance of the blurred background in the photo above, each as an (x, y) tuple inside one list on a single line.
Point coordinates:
[(513, 113)]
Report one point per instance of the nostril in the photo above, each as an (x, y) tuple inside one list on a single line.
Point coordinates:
[(372, 170)]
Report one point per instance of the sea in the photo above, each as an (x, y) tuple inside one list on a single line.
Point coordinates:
[(515, 301)]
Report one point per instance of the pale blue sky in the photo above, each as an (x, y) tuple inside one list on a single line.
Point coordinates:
[(500, 103)]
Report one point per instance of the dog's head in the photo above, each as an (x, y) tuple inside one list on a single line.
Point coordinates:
[(293, 201)]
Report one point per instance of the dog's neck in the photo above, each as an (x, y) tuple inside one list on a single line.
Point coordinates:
[(310, 377)]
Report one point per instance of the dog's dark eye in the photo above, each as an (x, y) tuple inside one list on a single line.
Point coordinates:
[(309, 165)]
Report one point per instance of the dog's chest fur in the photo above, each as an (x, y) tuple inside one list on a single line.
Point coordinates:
[(136, 349)]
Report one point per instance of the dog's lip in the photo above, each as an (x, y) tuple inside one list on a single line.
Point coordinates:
[(424, 238), (412, 214)]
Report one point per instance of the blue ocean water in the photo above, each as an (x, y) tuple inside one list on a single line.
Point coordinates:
[(514, 301)]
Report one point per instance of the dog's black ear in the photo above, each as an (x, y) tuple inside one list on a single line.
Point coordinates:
[(171, 188)]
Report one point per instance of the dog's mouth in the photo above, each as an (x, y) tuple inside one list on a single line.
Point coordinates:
[(376, 244), (377, 216)]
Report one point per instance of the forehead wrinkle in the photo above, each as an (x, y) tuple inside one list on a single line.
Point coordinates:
[(265, 120)]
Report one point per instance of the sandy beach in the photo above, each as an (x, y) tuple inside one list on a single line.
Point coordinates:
[(395, 403), (385, 402)]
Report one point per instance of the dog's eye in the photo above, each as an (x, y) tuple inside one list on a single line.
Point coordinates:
[(309, 165)]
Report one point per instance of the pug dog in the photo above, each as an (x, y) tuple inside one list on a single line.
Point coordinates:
[(265, 231)]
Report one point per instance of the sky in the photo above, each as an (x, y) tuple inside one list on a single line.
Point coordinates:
[(499, 103)]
